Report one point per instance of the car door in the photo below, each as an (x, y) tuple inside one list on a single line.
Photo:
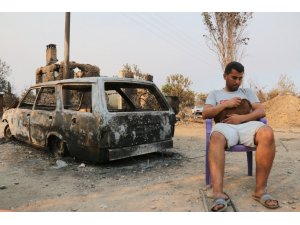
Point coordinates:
[(42, 115), (81, 125), (21, 118)]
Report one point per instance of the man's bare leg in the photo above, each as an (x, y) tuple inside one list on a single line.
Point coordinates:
[(216, 157), (265, 153)]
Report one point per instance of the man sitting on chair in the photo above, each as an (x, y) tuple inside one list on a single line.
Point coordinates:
[(238, 128)]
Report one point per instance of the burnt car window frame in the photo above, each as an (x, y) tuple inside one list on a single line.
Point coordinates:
[(23, 105), (71, 86), (117, 86), (45, 107)]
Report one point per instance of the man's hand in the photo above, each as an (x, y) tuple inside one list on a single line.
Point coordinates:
[(234, 102), (234, 119)]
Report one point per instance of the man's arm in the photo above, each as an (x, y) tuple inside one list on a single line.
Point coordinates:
[(257, 113), (210, 111)]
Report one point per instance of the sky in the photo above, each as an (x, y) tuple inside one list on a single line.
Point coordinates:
[(161, 44)]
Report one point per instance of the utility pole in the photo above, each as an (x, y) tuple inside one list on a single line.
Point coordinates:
[(1, 103), (66, 73)]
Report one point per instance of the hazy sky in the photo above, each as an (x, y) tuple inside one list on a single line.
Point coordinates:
[(159, 43)]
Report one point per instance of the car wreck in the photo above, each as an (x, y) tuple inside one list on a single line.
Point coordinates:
[(95, 118)]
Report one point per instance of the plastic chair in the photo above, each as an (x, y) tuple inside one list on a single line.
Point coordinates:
[(236, 148)]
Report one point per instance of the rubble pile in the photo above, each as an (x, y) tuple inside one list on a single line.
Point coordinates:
[(283, 111)]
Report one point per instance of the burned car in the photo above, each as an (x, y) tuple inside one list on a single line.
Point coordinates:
[(95, 119)]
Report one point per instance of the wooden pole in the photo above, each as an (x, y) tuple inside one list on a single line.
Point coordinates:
[(66, 74), (1, 103)]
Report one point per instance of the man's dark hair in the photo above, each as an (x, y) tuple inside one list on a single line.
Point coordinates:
[(234, 65)]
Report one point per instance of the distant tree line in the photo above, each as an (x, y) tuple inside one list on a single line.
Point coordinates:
[(5, 86), (176, 85), (284, 86)]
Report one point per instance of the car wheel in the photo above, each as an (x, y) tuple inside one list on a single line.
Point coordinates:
[(7, 132), (57, 147)]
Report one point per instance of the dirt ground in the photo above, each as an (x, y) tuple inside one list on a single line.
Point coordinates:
[(31, 180)]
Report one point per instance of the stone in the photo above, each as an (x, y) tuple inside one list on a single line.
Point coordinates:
[(82, 165), (60, 164)]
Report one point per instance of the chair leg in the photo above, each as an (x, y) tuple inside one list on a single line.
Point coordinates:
[(207, 171), (208, 127), (250, 162)]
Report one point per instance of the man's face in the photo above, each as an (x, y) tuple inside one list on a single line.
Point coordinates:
[(233, 80)]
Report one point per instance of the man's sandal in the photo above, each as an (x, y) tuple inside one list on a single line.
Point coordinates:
[(220, 202), (266, 199)]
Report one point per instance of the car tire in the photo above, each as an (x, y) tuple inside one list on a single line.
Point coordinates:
[(57, 147), (7, 132)]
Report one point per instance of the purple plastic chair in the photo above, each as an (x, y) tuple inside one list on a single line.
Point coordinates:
[(236, 148)]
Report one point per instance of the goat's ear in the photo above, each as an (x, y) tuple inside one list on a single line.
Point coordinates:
[(249, 103)]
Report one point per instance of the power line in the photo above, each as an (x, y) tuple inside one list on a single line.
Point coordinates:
[(163, 35), (169, 35), (176, 29)]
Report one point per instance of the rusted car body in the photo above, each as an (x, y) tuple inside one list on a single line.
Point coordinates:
[(94, 119)]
